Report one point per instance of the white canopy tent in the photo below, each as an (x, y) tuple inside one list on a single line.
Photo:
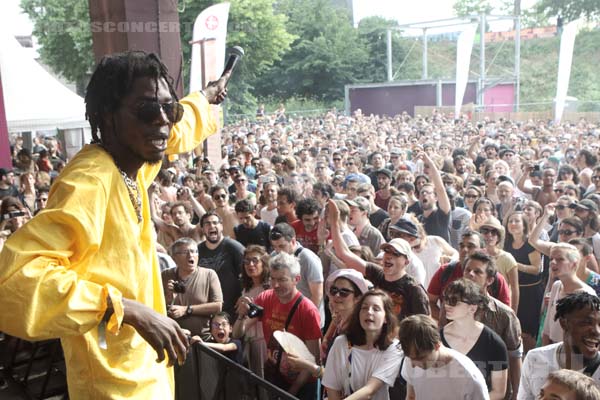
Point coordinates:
[(34, 99)]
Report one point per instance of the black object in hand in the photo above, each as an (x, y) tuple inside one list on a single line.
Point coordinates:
[(178, 287), (255, 310)]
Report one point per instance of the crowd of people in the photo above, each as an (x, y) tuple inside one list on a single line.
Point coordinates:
[(416, 257)]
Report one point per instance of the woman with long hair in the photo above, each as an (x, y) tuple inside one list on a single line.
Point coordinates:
[(344, 288), (531, 284), (27, 192), (462, 300), (363, 362), (472, 194), (255, 279), (483, 209), (396, 209)]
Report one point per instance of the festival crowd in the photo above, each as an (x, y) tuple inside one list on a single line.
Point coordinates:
[(415, 257)]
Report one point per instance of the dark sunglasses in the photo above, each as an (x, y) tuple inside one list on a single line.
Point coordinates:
[(342, 292), (562, 207), (150, 111), (220, 196), (567, 232), (485, 231), (453, 300), (337, 159)]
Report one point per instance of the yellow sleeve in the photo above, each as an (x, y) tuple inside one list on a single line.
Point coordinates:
[(47, 286), (197, 124)]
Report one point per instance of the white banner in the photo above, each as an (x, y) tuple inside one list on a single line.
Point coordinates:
[(565, 59), (210, 30), (463, 62)]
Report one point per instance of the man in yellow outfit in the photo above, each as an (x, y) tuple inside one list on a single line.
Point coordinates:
[(85, 268)]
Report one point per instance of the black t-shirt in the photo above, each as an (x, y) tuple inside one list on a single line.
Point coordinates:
[(488, 353), (378, 217), (9, 191), (415, 209), (258, 235), (437, 223), (408, 296), (226, 260)]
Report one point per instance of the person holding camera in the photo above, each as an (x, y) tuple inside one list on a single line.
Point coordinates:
[(192, 293), (283, 307), (542, 194)]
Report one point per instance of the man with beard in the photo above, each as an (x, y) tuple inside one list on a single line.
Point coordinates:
[(579, 317), (544, 194), (434, 202), (85, 269), (224, 255), (306, 227)]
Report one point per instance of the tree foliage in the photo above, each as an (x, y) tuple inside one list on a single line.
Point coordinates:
[(570, 10), (327, 53), (63, 31), (253, 25)]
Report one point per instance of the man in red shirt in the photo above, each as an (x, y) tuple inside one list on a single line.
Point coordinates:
[(278, 303), (306, 227), (471, 242)]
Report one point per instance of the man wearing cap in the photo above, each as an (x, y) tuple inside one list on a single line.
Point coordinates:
[(382, 196), (434, 202), (587, 211), (366, 233), (408, 296), (544, 194), (407, 230)]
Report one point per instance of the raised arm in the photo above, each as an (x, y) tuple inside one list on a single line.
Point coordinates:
[(341, 248), (542, 246), (438, 184)]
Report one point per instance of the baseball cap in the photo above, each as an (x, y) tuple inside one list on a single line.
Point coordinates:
[(588, 205), (353, 276), (360, 202), (405, 226), (398, 244), (385, 172)]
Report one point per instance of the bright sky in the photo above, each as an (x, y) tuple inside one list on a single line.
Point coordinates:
[(405, 11)]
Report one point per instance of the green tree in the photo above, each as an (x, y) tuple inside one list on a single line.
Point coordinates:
[(63, 32), (253, 25), (327, 54), (570, 10), (464, 8)]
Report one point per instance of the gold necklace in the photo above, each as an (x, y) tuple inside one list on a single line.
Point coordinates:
[(134, 194)]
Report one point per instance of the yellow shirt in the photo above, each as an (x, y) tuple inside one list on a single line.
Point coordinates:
[(57, 270)]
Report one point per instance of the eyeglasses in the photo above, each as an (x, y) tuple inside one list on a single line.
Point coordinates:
[(186, 252), (220, 196), (453, 300), (595, 177), (342, 292), (486, 231), (337, 159), (240, 181), (562, 207), (349, 163), (218, 325), (151, 111), (471, 196), (253, 260), (559, 190), (566, 232)]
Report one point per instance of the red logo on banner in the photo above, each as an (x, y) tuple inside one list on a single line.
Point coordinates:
[(212, 22)]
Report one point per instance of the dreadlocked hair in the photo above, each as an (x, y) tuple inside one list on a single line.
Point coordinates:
[(113, 79), (576, 301)]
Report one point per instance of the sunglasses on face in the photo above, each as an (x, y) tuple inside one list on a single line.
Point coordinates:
[(151, 111), (453, 300), (562, 207), (220, 196), (342, 292), (566, 232), (485, 231)]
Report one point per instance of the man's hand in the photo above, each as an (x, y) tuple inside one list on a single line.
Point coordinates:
[(332, 213), (216, 91), (161, 332), (176, 312)]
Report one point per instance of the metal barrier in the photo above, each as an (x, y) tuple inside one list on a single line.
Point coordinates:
[(208, 375)]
